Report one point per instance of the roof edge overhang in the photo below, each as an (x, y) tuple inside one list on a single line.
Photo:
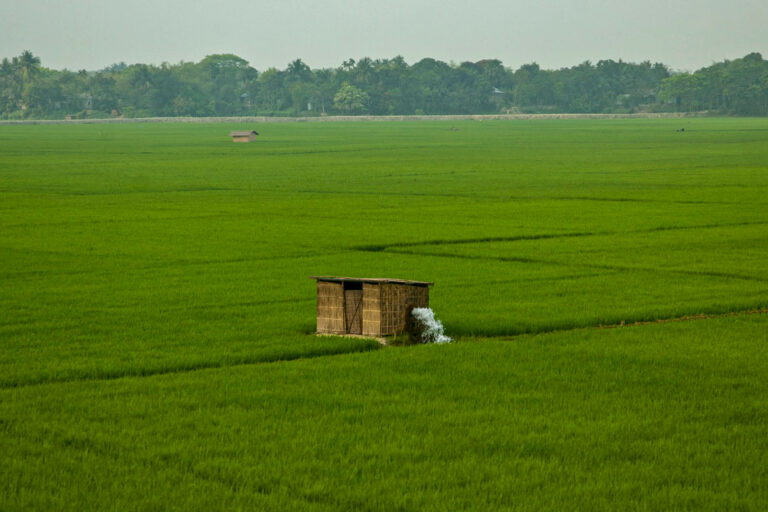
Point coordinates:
[(373, 280)]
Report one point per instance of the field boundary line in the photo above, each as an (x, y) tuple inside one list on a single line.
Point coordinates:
[(610, 268), (508, 197), (289, 358), (189, 368), (548, 236), (686, 318), (461, 241), (638, 323), (346, 119)]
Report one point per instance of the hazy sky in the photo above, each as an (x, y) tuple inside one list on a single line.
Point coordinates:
[(92, 34)]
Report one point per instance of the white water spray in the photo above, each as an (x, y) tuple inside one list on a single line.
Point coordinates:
[(433, 328)]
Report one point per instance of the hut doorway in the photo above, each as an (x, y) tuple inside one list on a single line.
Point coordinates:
[(353, 307)]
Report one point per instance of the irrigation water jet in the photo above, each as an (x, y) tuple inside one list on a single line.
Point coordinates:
[(431, 329)]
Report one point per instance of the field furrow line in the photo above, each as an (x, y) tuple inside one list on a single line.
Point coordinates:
[(612, 268), (150, 372), (153, 372), (548, 236), (637, 323)]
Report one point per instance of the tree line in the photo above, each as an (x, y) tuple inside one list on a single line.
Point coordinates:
[(227, 85)]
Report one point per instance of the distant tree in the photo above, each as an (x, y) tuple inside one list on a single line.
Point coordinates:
[(102, 88), (28, 66), (347, 65), (363, 70), (432, 79), (494, 71), (41, 97), (10, 87), (534, 87), (350, 99), (731, 87), (326, 86), (302, 95), (224, 78), (683, 90), (272, 95), (115, 68), (6, 68), (744, 85), (298, 71)]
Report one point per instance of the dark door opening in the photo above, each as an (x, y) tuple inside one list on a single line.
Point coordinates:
[(353, 307)]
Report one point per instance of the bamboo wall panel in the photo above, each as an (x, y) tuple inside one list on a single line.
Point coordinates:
[(371, 309), (376, 309), (395, 299), (330, 308)]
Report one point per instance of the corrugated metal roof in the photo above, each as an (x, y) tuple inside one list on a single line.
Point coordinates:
[(370, 280)]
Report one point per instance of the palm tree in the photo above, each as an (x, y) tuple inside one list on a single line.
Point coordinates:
[(299, 71), (363, 70), (10, 89), (28, 66), (6, 68)]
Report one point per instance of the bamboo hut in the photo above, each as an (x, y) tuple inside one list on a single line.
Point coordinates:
[(243, 136), (366, 306)]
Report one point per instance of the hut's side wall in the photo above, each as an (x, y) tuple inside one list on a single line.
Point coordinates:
[(330, 308), (371, 309), (395, 298)]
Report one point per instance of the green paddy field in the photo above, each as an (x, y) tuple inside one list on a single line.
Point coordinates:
[(604, 280)]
